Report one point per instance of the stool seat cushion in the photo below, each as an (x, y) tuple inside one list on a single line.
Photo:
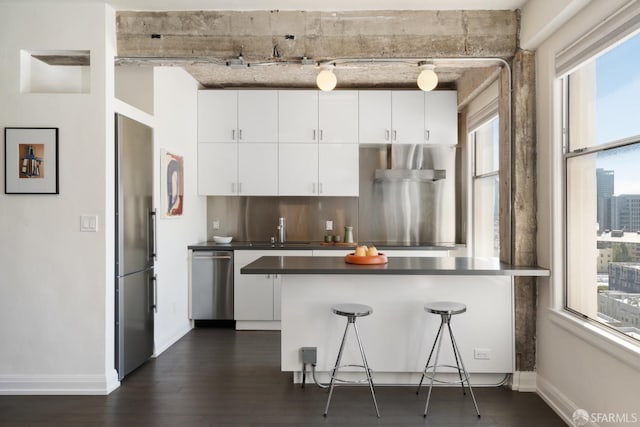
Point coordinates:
[(445, 307), (356, 310)]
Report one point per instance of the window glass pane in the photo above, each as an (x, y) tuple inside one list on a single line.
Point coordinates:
[(486, 148), (603, 237), (603, 97), (486, 217)]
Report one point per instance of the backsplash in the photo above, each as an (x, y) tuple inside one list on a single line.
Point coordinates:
[(249, 218)]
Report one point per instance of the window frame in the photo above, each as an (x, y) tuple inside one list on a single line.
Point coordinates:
[(593, 326)]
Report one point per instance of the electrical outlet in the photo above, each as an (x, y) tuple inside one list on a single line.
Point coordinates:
[(216, 224), (328, 225), (309, 355), (482, 353)]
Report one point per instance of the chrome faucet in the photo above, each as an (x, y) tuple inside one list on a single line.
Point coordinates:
[(281, 230)]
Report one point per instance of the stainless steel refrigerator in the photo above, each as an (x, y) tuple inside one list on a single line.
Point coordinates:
[(135, 289)]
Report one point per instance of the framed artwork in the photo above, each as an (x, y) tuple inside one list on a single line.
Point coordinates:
[(172, 184), (31, 160)]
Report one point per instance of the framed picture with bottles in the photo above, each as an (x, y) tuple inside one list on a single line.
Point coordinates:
[(31, 160)]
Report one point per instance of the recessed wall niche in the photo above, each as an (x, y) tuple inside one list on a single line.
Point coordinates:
[(55, 71)]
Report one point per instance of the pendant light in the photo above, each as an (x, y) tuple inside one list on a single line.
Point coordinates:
[(427, 79), (326, 80)]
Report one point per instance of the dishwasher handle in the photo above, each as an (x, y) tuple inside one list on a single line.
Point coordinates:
[(211, 257)]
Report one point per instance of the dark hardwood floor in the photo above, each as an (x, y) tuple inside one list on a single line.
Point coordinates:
[(219, 377)]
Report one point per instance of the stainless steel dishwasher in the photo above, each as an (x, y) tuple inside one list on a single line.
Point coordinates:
[(211, 285)]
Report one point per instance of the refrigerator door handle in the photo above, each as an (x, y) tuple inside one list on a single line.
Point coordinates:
[(154, 235), (154, 305)]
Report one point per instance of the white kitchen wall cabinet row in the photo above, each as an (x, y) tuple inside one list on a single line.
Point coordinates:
[(304, 142)]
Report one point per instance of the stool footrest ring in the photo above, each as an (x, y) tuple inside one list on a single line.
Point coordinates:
[(342, 381), (431, 374)]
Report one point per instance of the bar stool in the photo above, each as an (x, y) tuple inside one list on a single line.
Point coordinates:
[(445, 309), (351, 312)]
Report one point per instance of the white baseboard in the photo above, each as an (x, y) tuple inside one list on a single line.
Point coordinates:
[(161, 347), (524, 381), (257, 325), (561, 404), (58, 384)]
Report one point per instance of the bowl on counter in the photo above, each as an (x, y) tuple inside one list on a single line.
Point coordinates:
[(222, 239)]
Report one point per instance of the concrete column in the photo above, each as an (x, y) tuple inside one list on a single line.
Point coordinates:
[(524, 204)]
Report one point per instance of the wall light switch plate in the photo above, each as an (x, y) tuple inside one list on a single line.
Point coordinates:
[(89, 223), (216, 224), (328, 225)]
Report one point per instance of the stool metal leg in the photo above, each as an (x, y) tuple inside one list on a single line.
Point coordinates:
[(366, 369), (456, 349), (429, 358), (335, 368), (455, 354), (435, 367)]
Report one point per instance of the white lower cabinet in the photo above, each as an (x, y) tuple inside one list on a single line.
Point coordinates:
[(257, 297)]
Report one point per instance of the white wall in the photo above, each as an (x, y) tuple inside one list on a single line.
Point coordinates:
[(175, 107), (56, 283), (576, 366)]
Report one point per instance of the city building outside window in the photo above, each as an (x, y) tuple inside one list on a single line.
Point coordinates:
[(486, 218), (602, 188)]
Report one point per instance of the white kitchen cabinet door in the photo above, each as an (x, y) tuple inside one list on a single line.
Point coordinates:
[(407, 117), (217, 115), (338, 170), (257, 116), (375, 116), (253, 293), (257, 296), (298, 169), (441, 117), (298, 116), (217, 168), (257, 169), (338, 116)]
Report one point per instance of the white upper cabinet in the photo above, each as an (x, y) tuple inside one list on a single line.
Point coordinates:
[(407, 117), (298, 116), (375, 116), (257, 169), (217, 115), (441, 117), (257, 116), (298, 169), (338, 170), (217, 169), (338, 116)]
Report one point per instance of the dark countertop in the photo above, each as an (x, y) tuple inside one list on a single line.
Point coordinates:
[(452, 266), (210, 245)]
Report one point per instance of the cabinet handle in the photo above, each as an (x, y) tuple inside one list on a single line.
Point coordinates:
[(320, 188), (239, 187), (314, 134), (233, 134), (386, 134), (395, 135), (233, 188), (154, 305), (313, 188), (267, 276), (240, 134), (321, 134), (426, 135)]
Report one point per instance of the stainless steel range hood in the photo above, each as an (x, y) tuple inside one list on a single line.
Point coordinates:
[(408, 163)]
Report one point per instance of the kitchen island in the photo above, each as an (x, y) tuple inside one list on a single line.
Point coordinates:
[(399, 334)]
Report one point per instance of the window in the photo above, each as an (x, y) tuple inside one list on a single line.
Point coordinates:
[(602, 188), (486, 208)]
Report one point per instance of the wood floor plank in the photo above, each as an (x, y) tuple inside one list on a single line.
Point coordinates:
[(221, 377)]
